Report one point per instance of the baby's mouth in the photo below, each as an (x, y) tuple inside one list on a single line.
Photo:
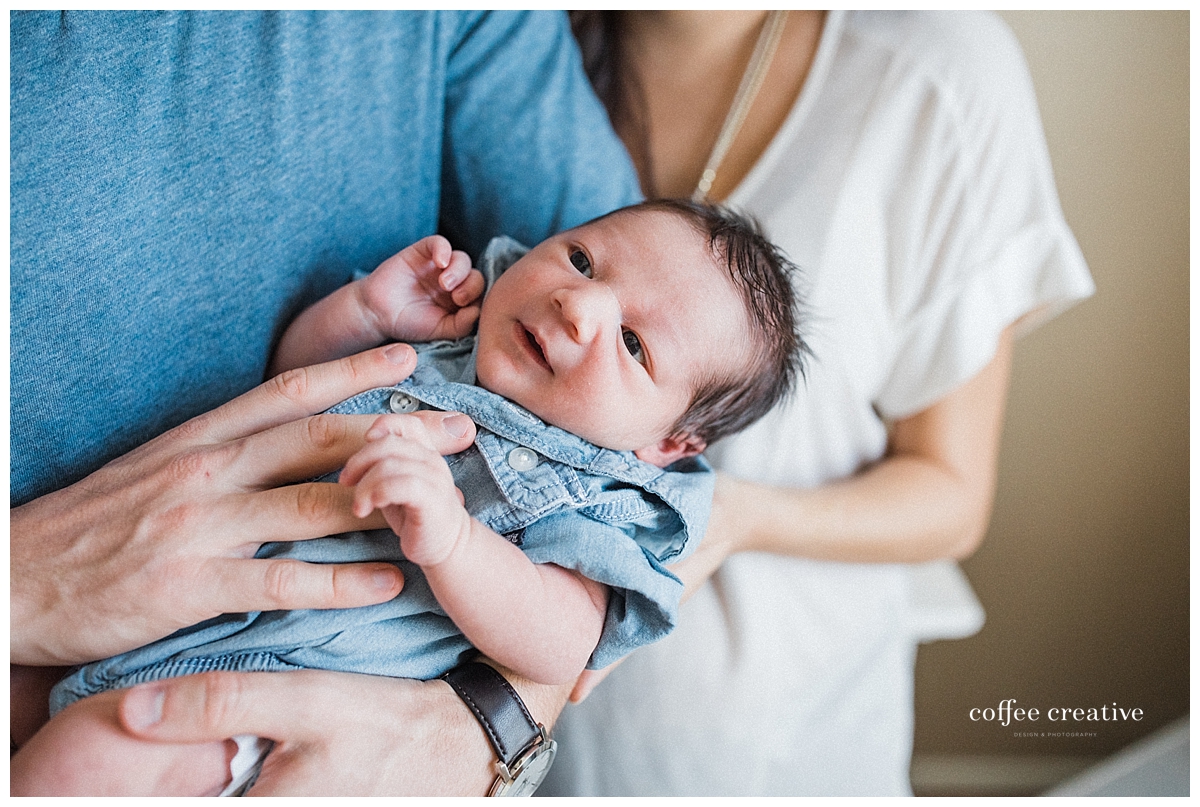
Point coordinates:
[(534, 346)]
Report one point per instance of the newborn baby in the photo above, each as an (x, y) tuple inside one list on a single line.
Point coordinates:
[(604, 361)]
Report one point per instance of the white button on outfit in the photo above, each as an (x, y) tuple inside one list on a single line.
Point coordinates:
[(522, 459), (402, 404)]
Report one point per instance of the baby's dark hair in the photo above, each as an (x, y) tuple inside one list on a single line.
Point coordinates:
[(763, 277)]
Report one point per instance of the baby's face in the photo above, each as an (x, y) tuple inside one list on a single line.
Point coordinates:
[(607, 330)]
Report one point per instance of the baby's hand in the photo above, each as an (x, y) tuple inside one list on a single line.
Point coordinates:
[(423, 292), (400, 473)]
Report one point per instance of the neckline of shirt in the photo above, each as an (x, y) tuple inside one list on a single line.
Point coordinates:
[(777, 149)]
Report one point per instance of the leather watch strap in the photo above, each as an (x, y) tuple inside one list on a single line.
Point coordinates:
[(506, 722)]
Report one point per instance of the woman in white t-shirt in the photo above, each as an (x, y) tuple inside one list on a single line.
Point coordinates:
[(899, 160)]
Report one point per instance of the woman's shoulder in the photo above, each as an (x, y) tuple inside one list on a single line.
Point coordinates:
[(938, 40), (968, 55)]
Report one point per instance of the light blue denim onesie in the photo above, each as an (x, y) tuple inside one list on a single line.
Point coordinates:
[(561, 499)]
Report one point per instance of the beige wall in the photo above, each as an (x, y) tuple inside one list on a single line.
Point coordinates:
[(1084, 574)]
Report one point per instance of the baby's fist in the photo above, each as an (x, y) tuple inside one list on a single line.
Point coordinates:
[(426, 291), (401, 474)]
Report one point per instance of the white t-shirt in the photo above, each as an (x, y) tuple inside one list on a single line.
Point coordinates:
[(912, 186)]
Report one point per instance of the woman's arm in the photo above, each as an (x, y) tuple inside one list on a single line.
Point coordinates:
[(929, 498)]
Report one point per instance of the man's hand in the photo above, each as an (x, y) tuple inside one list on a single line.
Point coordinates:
[(424, 292), (336, 734), (163, 537)]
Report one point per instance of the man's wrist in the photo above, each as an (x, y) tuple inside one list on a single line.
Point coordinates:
[(22, 608), (522, 746), (545, 702), (462, 737), (26, 643)]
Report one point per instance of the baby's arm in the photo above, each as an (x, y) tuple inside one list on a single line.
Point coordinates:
[(425, 291), (540, 620)]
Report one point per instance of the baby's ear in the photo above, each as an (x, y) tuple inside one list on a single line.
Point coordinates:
[(670, 449)]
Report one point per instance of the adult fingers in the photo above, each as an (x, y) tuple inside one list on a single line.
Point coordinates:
[(335, 733), (318, 444), (220, 705), (309, 447), (443, 432), (299, 449), (291, 513), (302, 392), (277, 584)]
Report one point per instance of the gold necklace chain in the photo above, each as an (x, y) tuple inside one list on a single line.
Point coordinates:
[(752, 79)]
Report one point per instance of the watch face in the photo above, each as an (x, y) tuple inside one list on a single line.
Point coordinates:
[(532, 772)]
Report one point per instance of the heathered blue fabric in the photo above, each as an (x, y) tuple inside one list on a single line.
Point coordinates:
[(183, 183)]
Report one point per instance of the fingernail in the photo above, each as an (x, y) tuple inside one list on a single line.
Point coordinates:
[(384, 580), (398, 353), (144, 706), (457, 425)]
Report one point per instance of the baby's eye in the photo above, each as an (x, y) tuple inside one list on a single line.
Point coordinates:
[(634, 346), (581, 262)]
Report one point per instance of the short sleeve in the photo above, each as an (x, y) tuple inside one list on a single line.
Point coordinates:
[(528, 148), (644, 597), (975, 229)]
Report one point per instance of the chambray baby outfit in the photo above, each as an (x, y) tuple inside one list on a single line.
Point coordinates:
[(562, 500)]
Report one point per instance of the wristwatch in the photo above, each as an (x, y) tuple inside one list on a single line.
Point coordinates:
[(523, 747)]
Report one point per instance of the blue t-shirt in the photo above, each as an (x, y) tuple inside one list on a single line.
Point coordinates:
[(182, 184)]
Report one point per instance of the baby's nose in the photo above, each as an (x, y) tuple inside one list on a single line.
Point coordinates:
[(588, 309)]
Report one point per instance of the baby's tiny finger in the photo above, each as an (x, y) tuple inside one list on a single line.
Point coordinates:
[(457, 270), (388, 488), (450, 278), (440, 251), (372, 455), (388, 425), (362, 505), (464, 319), (470, 289)]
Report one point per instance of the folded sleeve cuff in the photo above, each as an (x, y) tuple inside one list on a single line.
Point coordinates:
[(1040, 274)]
